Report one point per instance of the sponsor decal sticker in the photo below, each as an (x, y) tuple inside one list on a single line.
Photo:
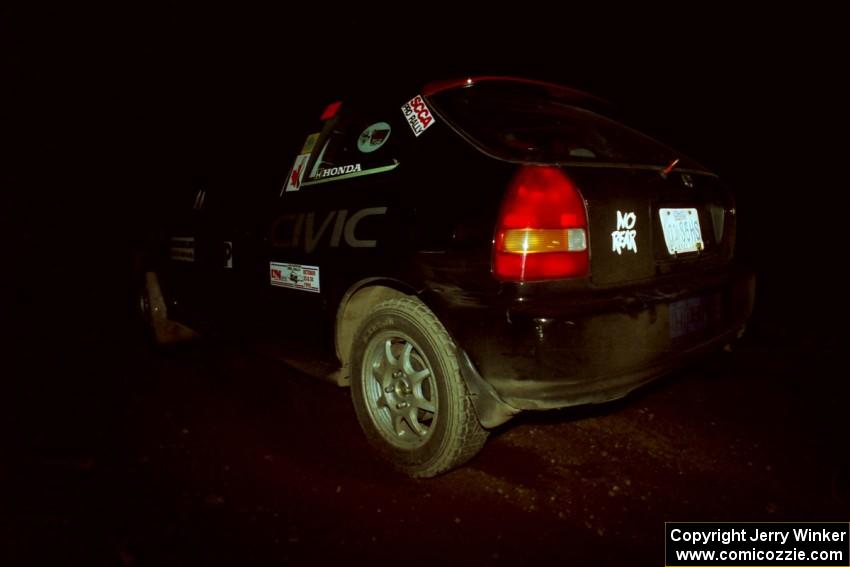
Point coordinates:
[(309, 143), (624, 237), (354, 171), (323, 172), (296, 174), (373, 137), (182, 248), (418, 115), (310, 230), (294, 276)]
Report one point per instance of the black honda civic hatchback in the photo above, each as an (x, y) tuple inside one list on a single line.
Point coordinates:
[(482, 247)]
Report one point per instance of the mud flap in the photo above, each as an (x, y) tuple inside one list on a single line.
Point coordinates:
[(491, 409)]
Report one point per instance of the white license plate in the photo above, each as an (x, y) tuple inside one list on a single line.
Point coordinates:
[(681, 230)]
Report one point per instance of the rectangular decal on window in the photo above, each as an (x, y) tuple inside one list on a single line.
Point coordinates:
[(417, 114), (296, 174), (182, 248), (309, 143), (294, 276)]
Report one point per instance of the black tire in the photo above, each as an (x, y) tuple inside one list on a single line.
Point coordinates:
[(402, 354)]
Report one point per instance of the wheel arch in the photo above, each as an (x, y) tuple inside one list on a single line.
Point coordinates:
[(354, 306)]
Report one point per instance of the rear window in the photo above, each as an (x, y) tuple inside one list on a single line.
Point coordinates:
[(529, 122)]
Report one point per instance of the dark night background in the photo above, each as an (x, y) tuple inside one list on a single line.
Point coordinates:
[(108, 109)]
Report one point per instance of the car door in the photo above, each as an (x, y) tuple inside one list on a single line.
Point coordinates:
[(334, 216), (232, 249), (185, 254)]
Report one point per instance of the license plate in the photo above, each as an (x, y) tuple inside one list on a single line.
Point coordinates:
[(687, 316), (682, 232)]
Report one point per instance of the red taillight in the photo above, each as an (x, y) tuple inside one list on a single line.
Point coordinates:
[(542, 231)]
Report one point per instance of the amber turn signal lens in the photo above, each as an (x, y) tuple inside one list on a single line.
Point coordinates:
[(537, 240)]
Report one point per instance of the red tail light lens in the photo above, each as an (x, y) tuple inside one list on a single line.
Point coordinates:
[(542, 232)]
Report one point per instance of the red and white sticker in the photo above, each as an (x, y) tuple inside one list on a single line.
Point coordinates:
[(417, 114), (296, 174), (294, 276)]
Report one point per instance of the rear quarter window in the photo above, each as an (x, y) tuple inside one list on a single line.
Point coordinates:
[(357, 143)]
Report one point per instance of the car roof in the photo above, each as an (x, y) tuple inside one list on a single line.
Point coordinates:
[(378, 92), (560, 91)]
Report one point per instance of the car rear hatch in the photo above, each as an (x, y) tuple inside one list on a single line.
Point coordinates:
[(650, 211), (642, 224)]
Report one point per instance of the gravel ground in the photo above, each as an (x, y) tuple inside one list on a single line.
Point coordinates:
[(220, 455)]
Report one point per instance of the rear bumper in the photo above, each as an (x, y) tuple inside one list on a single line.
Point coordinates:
[(596, 349)]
